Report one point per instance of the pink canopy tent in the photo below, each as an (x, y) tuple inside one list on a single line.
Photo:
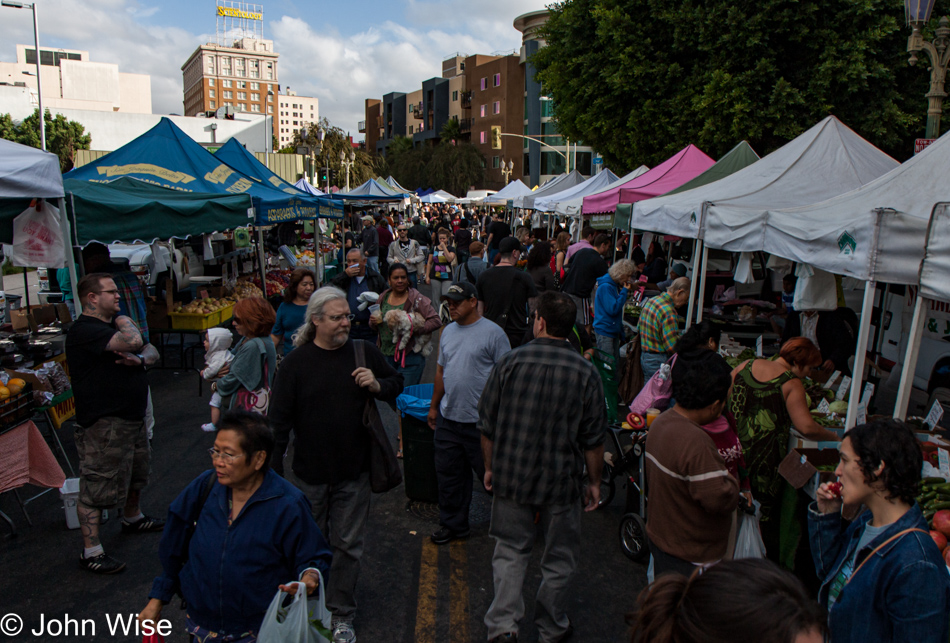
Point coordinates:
[(668, 175)]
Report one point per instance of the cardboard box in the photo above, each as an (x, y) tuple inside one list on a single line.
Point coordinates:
[(38, 385), (156, 314), (800, 468), (22, 320)]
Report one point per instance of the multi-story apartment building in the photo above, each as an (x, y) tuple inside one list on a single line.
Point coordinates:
[(294, 113), (72, 81)]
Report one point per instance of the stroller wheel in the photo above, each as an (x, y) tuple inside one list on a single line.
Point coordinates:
[(633, 538)]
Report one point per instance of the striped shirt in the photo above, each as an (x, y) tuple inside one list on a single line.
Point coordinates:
[(659, 325), (542, 407)]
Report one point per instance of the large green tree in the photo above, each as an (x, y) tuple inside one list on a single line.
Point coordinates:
[(335, 140), (63, 136), (640, 79)]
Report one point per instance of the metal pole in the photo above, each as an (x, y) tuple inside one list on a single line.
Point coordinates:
[(697, 251), (701, 295), (860, 354), (567, 157), (70, 256), (39, 91), (317, 255), (261, 261), (910, 358)]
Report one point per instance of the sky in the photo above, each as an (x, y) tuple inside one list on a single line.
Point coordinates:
[(341, 51)]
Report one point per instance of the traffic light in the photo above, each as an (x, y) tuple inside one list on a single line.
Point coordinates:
[(496, 137), (323, 176), (333, 176)]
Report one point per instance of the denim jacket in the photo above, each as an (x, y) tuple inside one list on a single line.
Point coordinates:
[(901, 594), (231, 572)]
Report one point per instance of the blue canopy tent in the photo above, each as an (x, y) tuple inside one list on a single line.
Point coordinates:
[(372, 190)]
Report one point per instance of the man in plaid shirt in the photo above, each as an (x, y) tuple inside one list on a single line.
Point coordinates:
[(542, 417), (659, 326)]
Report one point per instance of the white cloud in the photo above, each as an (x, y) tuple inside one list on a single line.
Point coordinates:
[(316, 59)]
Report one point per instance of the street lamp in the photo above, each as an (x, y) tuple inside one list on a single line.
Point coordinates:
[(347, 160), (918, 13), (315, 145), (36, 44), (507, 169)]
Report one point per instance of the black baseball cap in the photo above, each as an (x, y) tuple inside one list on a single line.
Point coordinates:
[(509, 244), (460, 291)]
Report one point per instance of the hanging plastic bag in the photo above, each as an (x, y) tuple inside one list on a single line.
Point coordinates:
[(302, 621), (38, 238), (744, 273), (656, 393), (749, 542), (815, 289)]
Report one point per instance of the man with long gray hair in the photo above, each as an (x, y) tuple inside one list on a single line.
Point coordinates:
[(320, 394)]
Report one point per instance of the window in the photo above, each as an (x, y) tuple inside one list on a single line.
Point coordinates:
[(484, 84), (496, 107), (254, 67), (226, 83), (270, 99), (547, 108), (255, 107), (295, 122), (270, 72), (242, 95), (210, 60), (255, 97), (255, 85), (241, 84), (211, 93), (496, 162), (482, 111), (270, 109), (228, 94), (242, 107), (482, 137), (496, 80), (212, 104), (211, 82), (455, 95)]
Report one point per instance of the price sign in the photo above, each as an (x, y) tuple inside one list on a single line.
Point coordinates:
[(866, 395), (203, 294), (824, 407), (943, 459), (862, 415), (758, 346), (843, 389), (831, 380), (936, 413)]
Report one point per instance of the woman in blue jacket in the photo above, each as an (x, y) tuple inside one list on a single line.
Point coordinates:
[(254, 534), (609, 300), (883, 577)]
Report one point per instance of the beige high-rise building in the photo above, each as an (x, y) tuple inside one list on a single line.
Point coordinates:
[(294, 112)]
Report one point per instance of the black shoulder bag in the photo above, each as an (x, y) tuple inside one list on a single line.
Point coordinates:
[(384, 471), (193, 525)]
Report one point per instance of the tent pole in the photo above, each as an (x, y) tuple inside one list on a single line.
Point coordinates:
[(317, 255), (613, 252), (910, 358), (701, 295), (860, 354), (26, 288), (70, 256), (260, 260), (697, 250)]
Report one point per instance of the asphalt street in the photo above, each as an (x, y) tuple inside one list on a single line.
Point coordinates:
[(410, 590)]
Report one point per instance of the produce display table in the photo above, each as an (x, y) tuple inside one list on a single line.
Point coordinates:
[(25, 458)]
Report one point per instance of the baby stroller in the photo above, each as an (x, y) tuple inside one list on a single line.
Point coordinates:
[(625, 460)]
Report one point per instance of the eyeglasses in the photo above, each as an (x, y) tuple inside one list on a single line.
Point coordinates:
[(228, 458), (339, 318), (402, 229), (111, 292)]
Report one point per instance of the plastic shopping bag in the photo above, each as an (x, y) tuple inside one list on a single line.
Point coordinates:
[(302, 621), (749, 540), (38, 238), (656, 393)]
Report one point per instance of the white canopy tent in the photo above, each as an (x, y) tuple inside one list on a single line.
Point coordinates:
[(572, 206), (439, 196), (28, 173), (594, 184), (511, 191), (552, 187)]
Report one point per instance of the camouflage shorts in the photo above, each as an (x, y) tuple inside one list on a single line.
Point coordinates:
[(113, 458)]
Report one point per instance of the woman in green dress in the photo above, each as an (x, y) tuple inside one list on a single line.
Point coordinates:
[(768, 399)]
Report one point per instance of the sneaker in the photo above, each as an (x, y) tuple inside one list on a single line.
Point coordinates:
[(101, 564), (143, 525), (445, 535), (209, 428), (343, 632)]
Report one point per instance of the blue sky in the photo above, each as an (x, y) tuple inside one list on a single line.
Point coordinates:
[(339, 51)]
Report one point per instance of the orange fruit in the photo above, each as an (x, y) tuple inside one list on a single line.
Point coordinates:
[(4, 392), (16, 381), (13, 388)]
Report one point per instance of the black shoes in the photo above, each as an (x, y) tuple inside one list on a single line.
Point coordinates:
[(143, 525), (510, 637), (101, 564), (445, 535), (568, 633)]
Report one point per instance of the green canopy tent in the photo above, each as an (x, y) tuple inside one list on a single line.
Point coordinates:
[(128, 210)]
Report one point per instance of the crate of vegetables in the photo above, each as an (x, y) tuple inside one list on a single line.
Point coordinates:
[(201, 314)]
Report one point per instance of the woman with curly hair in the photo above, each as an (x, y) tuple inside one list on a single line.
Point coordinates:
[(255, 358), (737, 601), (883, 577)]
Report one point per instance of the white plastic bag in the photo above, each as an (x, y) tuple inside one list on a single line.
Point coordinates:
[(38, 238), (815, 289), (749, 539), (297, 623), (743, 274)]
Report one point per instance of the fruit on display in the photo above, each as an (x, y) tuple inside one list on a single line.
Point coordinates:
[(941, 522), (204, 306), (16, 381), (13, 388), (4, 392), (840, 407), (276, 282), (939, 539), (305, 258), (246, 290)]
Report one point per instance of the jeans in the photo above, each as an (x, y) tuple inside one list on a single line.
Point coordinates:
[(458, 453), (341, 511), (373, 262), (412, 371), (650, 363), (610, 345), (413, 278), (513, 528), (492, 253)]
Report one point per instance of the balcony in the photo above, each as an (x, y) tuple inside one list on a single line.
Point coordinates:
[(361, 127), (465, 125), (467, 100)]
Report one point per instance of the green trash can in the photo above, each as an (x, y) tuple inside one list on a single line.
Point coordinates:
[(418, 445)]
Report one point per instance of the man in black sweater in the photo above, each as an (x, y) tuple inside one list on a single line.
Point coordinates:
[(323, 406)]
